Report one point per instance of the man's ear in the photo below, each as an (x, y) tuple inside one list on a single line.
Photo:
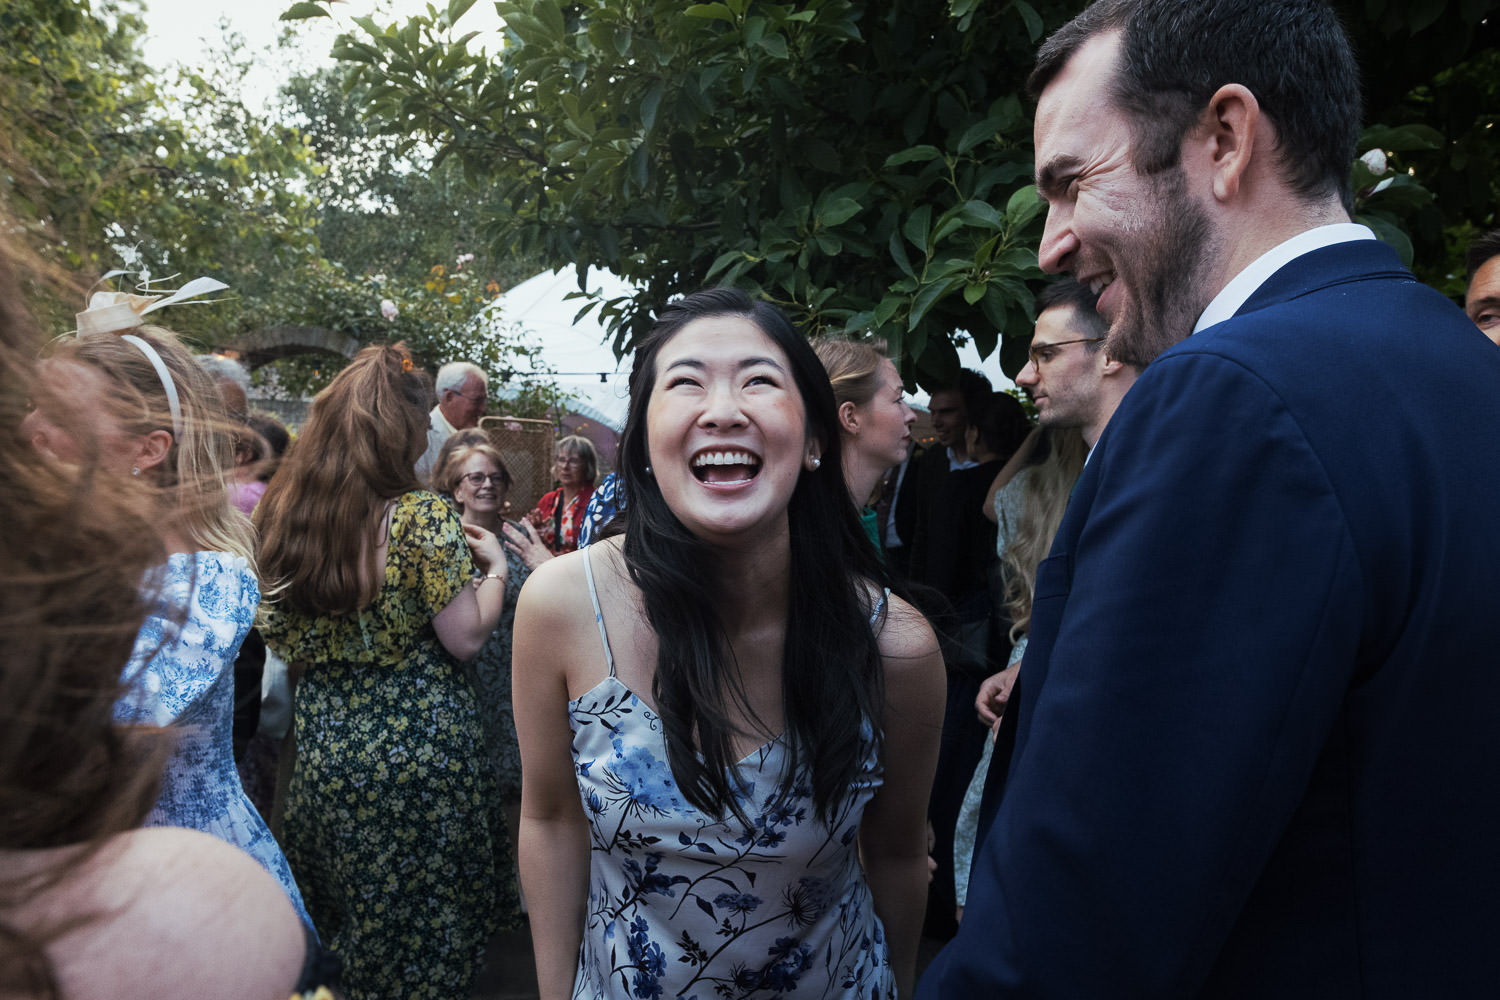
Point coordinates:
[(849, 417), (1231, 127), (152, 449)]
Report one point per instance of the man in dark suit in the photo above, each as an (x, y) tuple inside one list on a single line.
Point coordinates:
[(1255, 752)]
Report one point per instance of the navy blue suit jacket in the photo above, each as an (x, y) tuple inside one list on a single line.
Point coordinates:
[(1258, 741)]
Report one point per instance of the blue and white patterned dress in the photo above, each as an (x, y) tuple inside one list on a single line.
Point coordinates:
[(181, 674), (683, 904)]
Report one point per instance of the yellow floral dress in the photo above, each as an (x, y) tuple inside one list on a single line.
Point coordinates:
[(389, 820)]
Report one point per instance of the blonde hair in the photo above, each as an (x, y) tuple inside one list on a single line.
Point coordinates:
[(1045, 492), (460, 454), (437, 478), (192, 477), (357, 451), (853, 367)]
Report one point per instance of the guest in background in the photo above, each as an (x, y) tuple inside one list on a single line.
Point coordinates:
[(1482, 297), (232, 380), (441, 473), (93, 907), (607, 501), (160, 420), (475, 476), (559, 514), (1027, 511), (874, 419), (462, 395), (258, 446), (389, 815), (961, 564)]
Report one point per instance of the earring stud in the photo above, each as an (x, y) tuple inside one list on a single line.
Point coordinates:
[(816, 463), (135, 470)]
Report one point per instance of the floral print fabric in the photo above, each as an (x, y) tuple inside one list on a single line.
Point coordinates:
[(558, 530), (605, 502), (181, 674), (389, 821), (682, 904)]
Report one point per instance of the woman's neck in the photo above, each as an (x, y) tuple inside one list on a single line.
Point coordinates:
[(861, 476), (753, 584), (490, 521)]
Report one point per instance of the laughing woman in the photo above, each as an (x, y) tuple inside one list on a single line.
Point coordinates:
[(723, 711)]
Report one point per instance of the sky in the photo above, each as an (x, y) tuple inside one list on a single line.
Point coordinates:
[(188, 31)]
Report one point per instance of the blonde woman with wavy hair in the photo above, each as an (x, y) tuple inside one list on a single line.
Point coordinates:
[(157, 423), (389, 821)]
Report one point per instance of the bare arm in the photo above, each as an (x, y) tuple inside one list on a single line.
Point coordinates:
[(893, 836), (1008, 472), (554, 838), (464, 625)]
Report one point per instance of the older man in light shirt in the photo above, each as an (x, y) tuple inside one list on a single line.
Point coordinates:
[(463, 392)]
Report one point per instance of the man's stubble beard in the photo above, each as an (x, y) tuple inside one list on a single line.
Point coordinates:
[(1174, 289)]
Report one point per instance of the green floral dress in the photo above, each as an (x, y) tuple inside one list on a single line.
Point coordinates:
[(390, 823)]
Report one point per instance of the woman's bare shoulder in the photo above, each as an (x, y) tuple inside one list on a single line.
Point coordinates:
[(174, 912), (905, 634)]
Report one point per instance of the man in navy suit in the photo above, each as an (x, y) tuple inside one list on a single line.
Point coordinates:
[(1256, 750)]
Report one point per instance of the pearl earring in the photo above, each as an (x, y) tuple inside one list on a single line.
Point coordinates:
[(648, 470), (816, 463)]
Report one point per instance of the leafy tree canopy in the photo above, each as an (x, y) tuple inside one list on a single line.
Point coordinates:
[(865, 164), (105, 160)]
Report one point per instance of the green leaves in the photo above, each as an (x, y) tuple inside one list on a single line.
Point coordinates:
[(302, 11), (854, 162)]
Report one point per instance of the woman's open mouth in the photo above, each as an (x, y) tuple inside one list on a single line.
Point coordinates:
[(726, 467)]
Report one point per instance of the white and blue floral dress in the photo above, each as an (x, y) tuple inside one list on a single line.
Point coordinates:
[(181, 674), (683, 904)]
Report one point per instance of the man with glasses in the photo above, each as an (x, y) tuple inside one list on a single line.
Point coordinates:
[(1071, 378), (463, 393)]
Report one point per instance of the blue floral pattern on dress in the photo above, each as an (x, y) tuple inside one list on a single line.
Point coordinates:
[(181, 674), (683, 904), (607, 500)]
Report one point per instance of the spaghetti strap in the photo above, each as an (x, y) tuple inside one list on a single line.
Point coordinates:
[(588, 571), (875, 613)]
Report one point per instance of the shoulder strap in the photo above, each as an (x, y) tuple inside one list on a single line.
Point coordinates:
[(588, 571)]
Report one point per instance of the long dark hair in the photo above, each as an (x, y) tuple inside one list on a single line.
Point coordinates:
[(831, 677)]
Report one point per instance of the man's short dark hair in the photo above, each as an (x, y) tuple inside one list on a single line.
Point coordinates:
[(1480, 252), (973, 388), (1293, 55), (1084, 303)]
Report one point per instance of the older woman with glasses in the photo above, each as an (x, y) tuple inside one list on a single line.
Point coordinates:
[(552, 528), (473, 473)]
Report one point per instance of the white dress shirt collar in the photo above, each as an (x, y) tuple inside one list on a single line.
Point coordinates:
[(439, 422), (1244, 284)]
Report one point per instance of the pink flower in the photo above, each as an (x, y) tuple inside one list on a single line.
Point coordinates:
[(387, 308)]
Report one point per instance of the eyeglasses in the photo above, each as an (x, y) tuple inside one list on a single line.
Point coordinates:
[(481, 398), (478, 479), (569, 460), (1042, 353)]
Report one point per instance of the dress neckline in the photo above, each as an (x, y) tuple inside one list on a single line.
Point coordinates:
[(652, 714)]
